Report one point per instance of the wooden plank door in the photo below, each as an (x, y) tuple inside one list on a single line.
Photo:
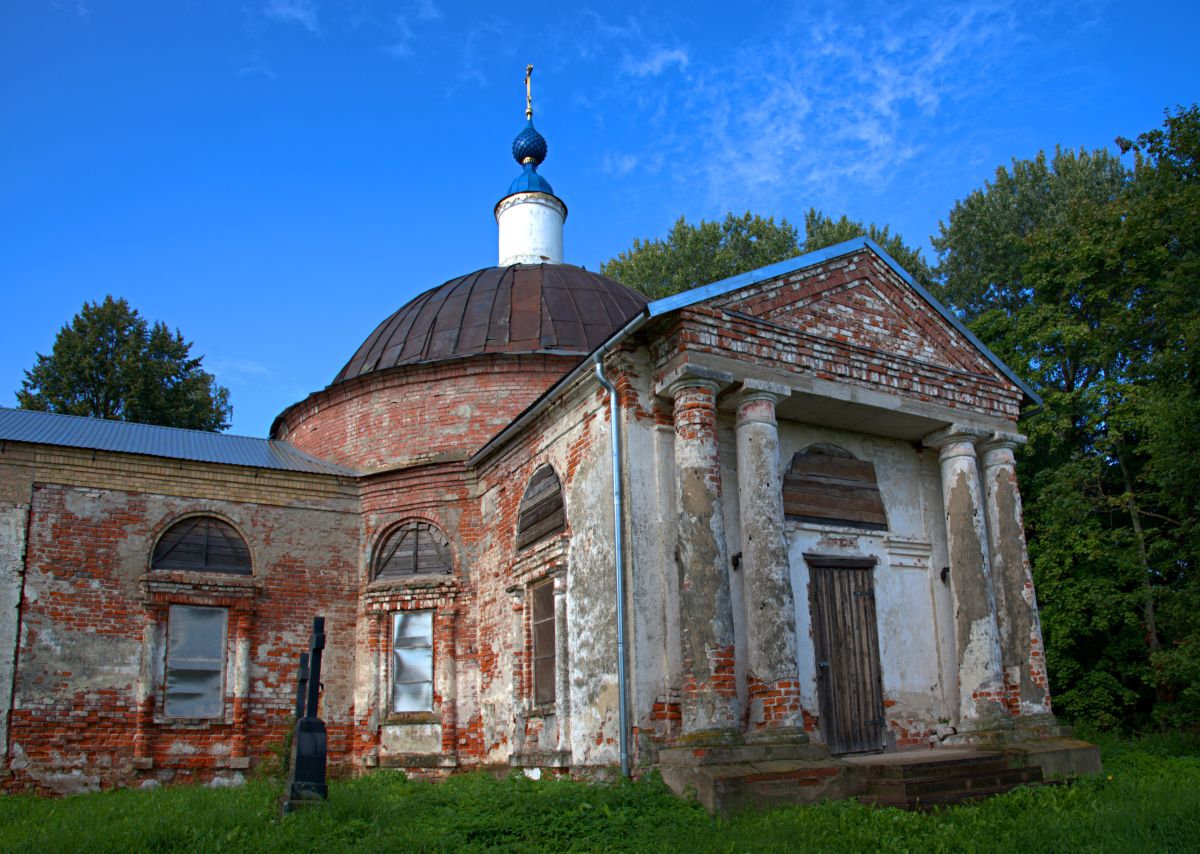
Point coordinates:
[(846, 641)]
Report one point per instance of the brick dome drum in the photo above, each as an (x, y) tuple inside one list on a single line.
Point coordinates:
[(555, 309)]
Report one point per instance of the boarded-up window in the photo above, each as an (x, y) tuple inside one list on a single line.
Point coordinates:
[(195, 662), (412, 661), (825, 484), (417, 548), (543, 643), (203, 544), (541, 512)]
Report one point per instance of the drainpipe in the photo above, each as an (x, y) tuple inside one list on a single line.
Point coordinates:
[(618, 549)]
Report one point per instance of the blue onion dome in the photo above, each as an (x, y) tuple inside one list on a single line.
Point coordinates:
[(529, 181), (529, 146)]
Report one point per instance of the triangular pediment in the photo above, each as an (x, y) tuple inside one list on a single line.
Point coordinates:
[(856, 306), (854, 296)]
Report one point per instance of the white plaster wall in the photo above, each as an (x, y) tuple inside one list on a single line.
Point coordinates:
[(653, 624), (908, 638), (731, 507), (531, 229), (13, 524), (591, 608)]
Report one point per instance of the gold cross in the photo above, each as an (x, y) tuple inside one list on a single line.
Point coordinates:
[(528, 92)]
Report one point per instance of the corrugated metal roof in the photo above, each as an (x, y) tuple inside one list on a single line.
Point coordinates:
[(72, 431)]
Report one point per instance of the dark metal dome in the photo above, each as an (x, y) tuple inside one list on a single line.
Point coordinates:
[(525, 308)]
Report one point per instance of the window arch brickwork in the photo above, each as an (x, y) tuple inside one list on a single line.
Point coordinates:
[(825, 484), (414, 548), (202, 544), (542, 512)]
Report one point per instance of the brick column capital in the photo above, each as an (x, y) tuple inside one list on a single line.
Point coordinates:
[(957, 440), (756, 400), (692, 376), (999, 449)]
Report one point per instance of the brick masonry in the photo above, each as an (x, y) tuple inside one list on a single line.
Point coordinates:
[(77, 529)]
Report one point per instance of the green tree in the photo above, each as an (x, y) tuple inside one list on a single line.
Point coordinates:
[(110, 363), (694, 255), (1079, 272)]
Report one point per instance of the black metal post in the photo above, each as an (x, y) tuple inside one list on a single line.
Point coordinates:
[(302, 685), (306, 777)]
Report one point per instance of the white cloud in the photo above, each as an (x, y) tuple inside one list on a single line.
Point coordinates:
[(823, 100), (619, 165), (238, 370), (300, 12), (425, 10), (656, 62), (404, 32)]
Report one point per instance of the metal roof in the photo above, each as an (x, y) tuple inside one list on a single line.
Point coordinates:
[(522, 308), (72, 431)]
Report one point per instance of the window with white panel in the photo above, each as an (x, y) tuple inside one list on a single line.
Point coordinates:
[(195, 666), (412, 661)]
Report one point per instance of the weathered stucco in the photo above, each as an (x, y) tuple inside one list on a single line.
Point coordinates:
[(714, 400)]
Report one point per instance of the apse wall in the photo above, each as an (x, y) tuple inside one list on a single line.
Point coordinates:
[(418, 413)]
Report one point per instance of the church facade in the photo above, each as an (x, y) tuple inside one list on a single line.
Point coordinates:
[(550, 525)]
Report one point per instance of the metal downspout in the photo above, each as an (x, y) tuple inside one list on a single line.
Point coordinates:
[(619, 551)]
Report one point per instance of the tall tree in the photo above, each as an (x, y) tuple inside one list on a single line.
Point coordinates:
[(108, 362), (694, 255), (1078, 272)]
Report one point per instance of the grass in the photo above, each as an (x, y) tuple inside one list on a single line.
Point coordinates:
[(1147, 800)]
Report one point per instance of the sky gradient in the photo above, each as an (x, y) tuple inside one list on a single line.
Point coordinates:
[(274, 177)]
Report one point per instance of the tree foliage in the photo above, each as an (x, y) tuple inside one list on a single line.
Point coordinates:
[(695, 255), (1080, 273), (108, 362), (821, 230)]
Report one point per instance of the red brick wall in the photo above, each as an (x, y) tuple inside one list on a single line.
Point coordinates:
[(85, 610), (851, 320), (412, 412)]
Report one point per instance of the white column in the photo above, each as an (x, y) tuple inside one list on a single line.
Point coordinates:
[(980, 679), (772, 674), (1021, 650), (708, 697)]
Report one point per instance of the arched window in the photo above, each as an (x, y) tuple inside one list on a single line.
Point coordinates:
[(541, 513), (415, 548), (825, 484), (202, 544)]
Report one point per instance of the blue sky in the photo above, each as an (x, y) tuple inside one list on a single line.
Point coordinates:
[(274, 177)]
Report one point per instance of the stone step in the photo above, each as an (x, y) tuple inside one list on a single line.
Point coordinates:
[(939, 767), (922, 788)]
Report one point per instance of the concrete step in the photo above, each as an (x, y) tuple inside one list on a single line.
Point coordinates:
[(939, 767), (1011, 777), (961, 786)]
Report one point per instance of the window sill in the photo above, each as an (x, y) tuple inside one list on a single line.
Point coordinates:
[(407, 718), (165, 722), (412, 582), (166, 586)]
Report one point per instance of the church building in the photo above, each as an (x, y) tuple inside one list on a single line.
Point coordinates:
[(753, 528)]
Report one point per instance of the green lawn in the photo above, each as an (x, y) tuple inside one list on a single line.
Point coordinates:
[(1148, 799)]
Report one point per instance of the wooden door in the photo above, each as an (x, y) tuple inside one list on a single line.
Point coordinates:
[(846, 640)]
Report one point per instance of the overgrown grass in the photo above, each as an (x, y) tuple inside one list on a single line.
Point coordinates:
[(1148, 799)]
